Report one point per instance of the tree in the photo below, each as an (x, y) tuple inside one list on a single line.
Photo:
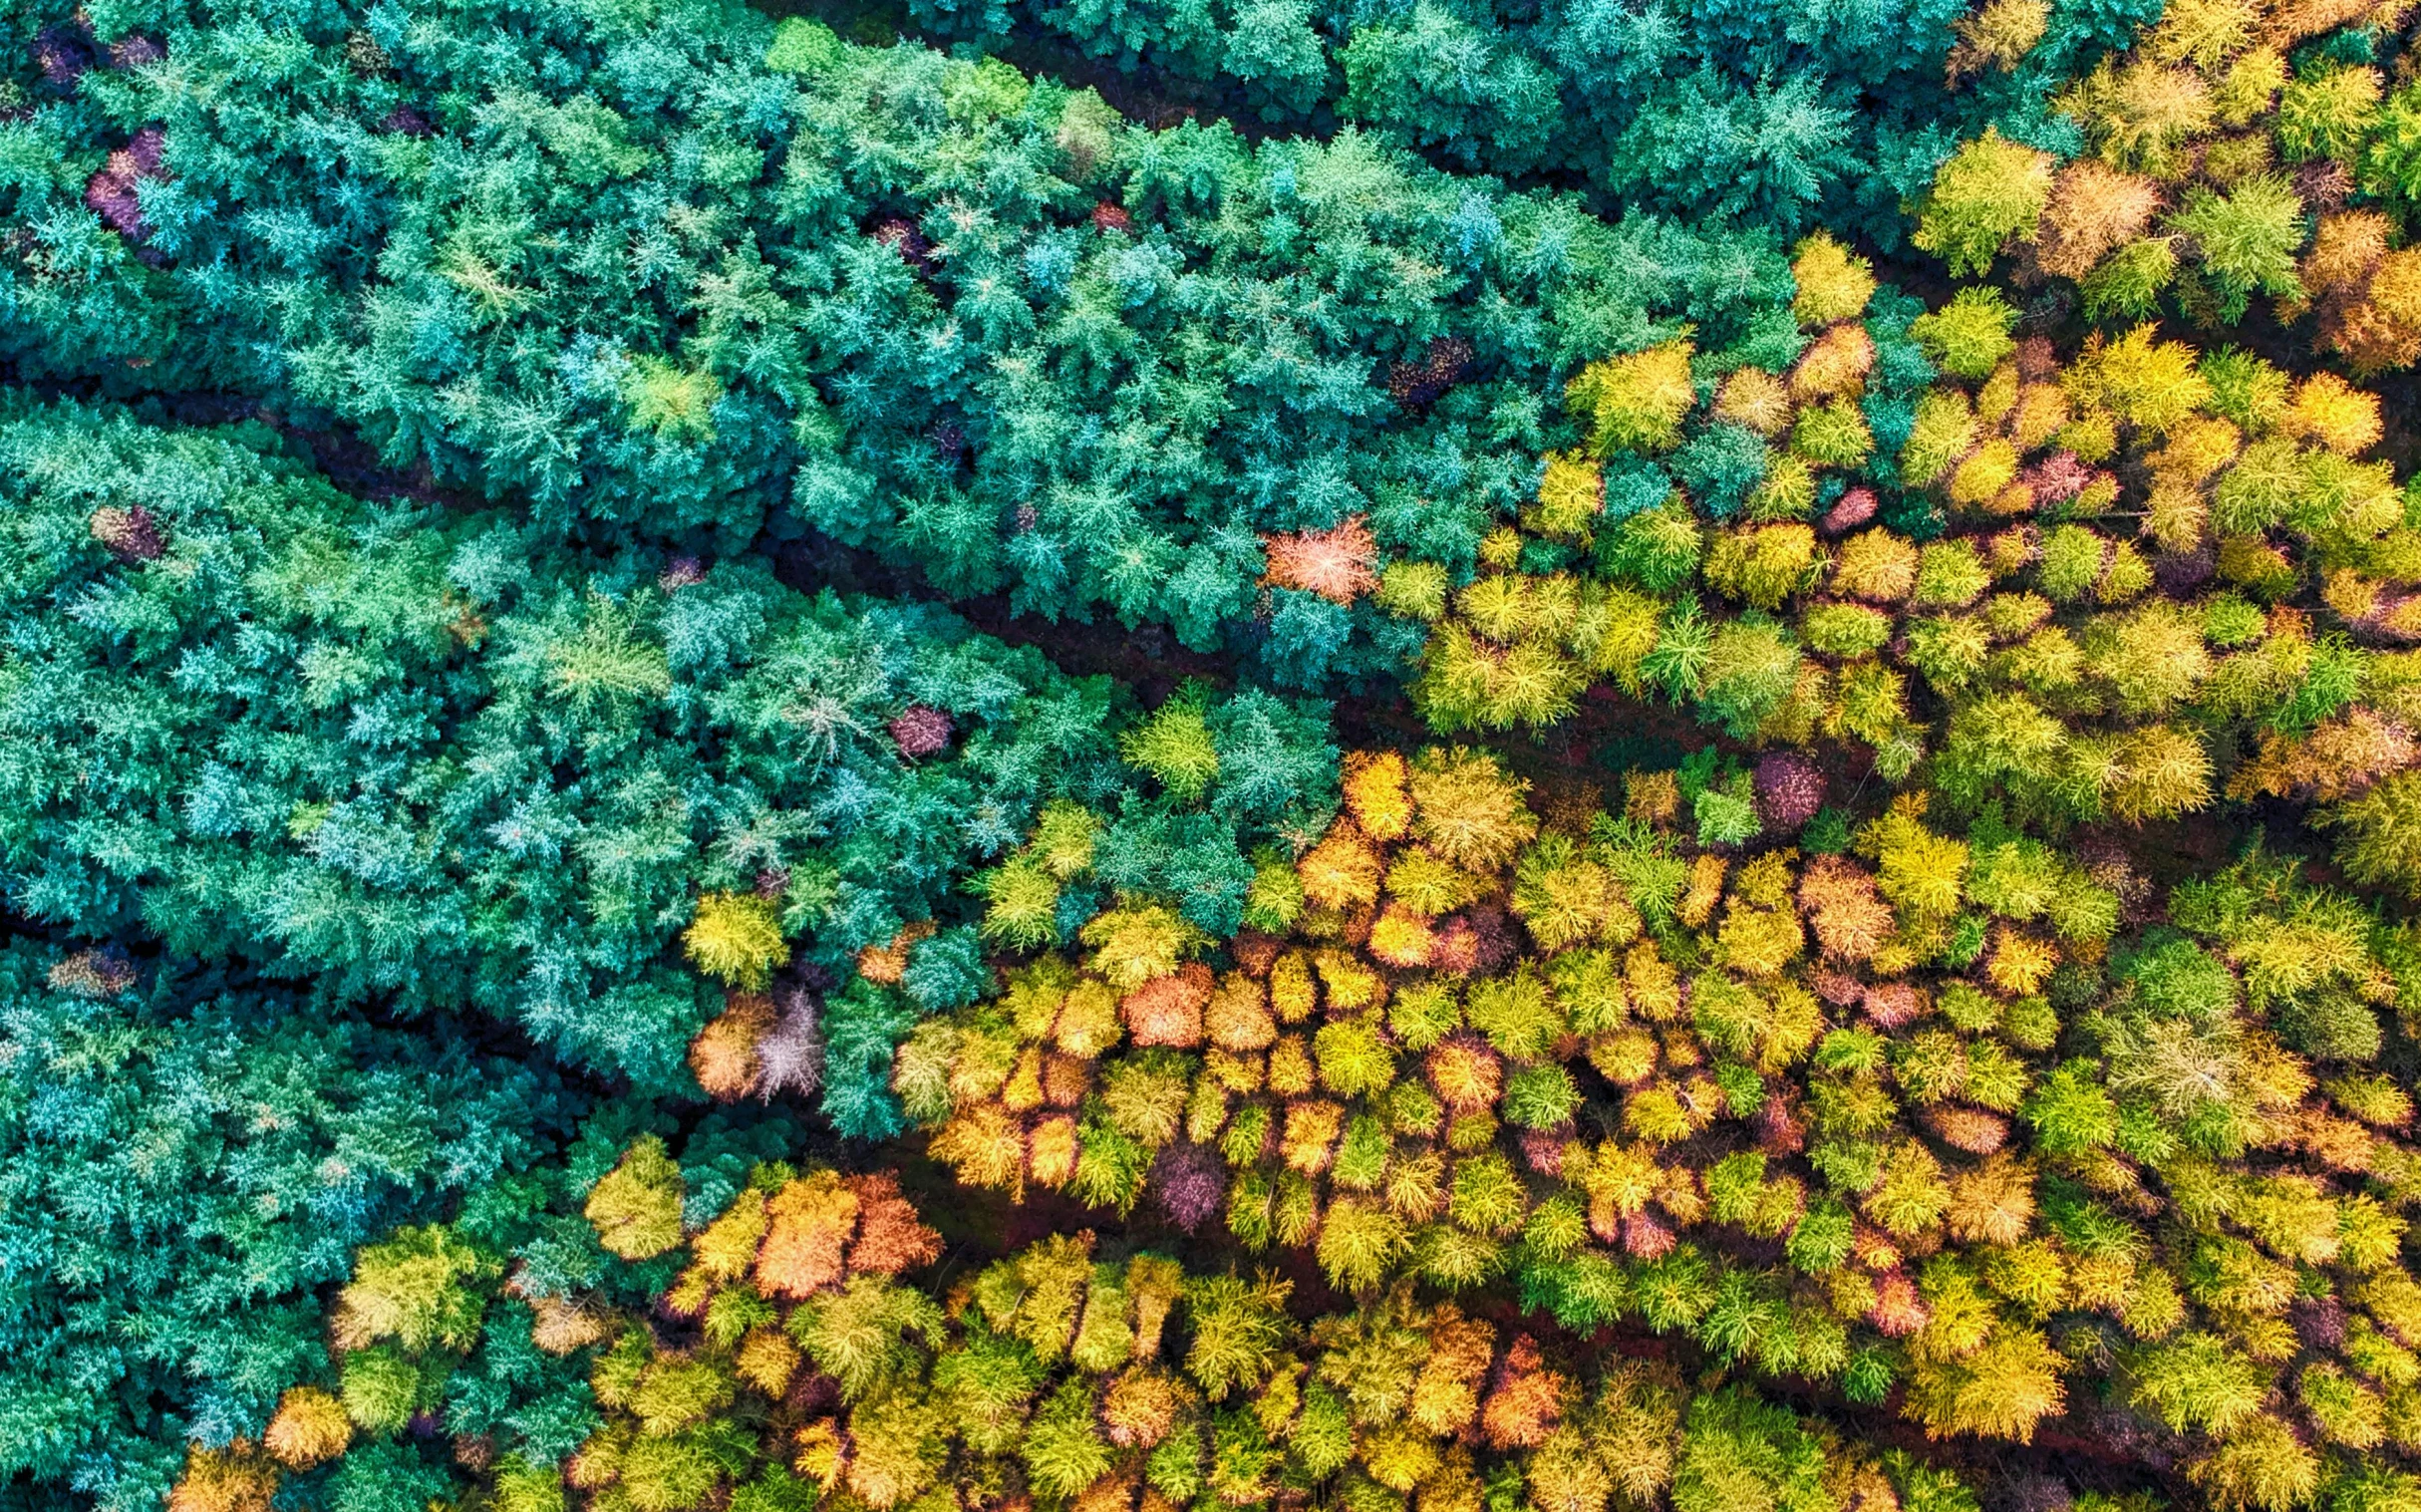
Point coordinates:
[(1737, 1451), (1441, 79), (2247, 239), (1239, 1326), (2264, 1468), (636, 1208), (416, 1289), (1834, 284), (1970, 336), (2094, 212), (2327, 113), (736, 938), (1991, 190), (1175, 747), (1468, 810), (2378, 831), (1634, 402), (310, 1429)]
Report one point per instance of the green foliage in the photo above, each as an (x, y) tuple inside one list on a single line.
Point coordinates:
[(1702, 116), (234, 1143), (2197, 1382), (2071, 1115), (1968, 336), (531, 842), (2129, 283), (636, 1208), (359, 843), (1991, 190), (1174, 745), (2249, 237), (2379, 834), (1740, 1452), (737, 288)]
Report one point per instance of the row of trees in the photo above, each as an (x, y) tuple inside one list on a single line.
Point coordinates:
[(428, 760), (1697, 110), (1956, 1111), (189, 1157), (772, 1351), (386, 877), (1283, 399), (676, 274), (2118, 588), (1851, 1096)]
